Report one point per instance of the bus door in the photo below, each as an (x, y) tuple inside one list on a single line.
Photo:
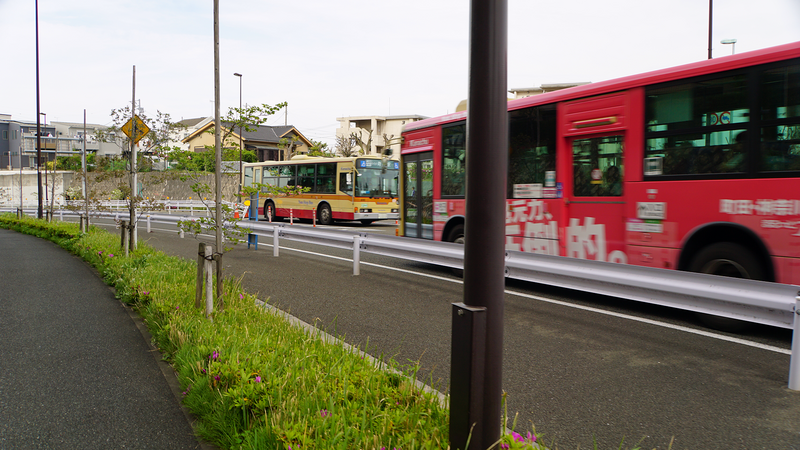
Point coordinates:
[(595, 206), (418, 195), (257, 179)]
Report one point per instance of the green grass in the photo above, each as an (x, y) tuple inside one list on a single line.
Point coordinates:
[(252, 379)]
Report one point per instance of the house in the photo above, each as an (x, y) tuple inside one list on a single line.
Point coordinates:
[(378, 127), (189, 127), (264, 140), (18, 141)]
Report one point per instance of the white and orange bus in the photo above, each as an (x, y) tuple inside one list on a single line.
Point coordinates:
[(695, 168), (361, 189)]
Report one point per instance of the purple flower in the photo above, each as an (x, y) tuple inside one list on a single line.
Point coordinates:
[(176, 308), (517, 436), (324, 413), (216, 377), (100, 253), (505, 447), (110, 255), (203, 371), (214, 356), (531, 437), (241, 297), (258, 379)]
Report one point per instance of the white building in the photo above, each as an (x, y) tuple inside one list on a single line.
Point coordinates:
[(380, 127)]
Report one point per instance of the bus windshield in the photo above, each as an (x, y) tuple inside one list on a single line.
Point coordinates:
[(377, 178)]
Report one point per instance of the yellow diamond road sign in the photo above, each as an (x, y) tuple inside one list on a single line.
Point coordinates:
[(135, 129)]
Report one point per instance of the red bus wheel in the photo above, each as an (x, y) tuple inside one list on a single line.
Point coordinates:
[(730, 260)]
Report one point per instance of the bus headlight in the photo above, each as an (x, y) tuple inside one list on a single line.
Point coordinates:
[(365, 210), (395, 210)]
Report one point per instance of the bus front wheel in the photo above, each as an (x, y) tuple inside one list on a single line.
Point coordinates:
[(730, 260), (270, 206), (324, 214)]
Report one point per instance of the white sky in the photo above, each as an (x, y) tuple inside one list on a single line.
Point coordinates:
[(332, 59)]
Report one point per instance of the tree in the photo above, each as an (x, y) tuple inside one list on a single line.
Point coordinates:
[(287, 146), (320, 149), (359, 139), (155, 143), (247, 118), (345, 146)]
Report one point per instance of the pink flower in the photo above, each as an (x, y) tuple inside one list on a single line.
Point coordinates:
[(110, 255), (531, 437), (258, 379), (517, 436)]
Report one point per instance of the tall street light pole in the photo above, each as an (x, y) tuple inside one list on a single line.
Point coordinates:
[(38, 125), (240, 131), (710, 16)]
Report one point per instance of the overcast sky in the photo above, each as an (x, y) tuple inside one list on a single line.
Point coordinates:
[(331, 59)]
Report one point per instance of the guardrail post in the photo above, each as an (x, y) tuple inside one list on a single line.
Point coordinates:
[(275, 246), (208, 257), (314, 214), (19, 213), (356, 255), (201, 263), (123, 242), (291, 216), (61, 215), (148, 224), (794, 362)]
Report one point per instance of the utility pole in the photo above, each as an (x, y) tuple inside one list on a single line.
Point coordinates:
[(85, 173), (218, 147), (134, 180), (240, 134)]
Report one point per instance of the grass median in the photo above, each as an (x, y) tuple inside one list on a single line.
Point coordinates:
[(253, 379)]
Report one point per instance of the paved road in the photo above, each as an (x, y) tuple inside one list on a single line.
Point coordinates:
[(576, 374), (75, 371)]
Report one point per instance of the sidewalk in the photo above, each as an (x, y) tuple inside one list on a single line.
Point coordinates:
[(75, 370)]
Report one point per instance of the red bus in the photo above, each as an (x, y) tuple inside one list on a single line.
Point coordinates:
[(695, 167)]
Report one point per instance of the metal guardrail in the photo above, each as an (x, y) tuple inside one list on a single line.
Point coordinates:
[(749, 300)]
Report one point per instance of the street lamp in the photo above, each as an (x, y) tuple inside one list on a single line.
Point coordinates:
[(240, 131), (732, 42)]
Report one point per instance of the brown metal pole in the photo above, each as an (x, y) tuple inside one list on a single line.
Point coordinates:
[(484, 252)]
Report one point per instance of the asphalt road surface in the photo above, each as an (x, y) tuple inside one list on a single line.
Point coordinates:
[(581, 368), (75, 370)]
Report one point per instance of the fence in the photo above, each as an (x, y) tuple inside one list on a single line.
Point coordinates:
[(749, 300)]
